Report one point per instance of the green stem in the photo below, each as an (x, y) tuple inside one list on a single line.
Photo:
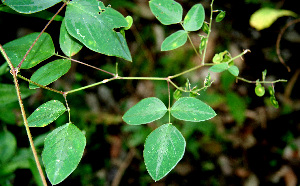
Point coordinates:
[(262, 82)]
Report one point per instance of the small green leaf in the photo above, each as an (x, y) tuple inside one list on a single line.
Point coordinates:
[(8, 93), (234, 70), (264, 73), (174, 41), (219, 67), (145, 111), (192, 109), (62, 152), (93, 24), (194, 18), (8, 146), (46, 114), (29, 6), (68, 44), (129, 21), (220, 16), (42, 50), (164, 148), (265, 17), (167, 12), (50, 72), (177, 94)]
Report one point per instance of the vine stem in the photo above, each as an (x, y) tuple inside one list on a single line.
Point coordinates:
[(14, 72), (20, 64), (264, 82)]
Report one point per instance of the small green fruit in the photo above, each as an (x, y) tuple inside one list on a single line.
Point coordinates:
[(259, 90), (220, 16), (177, 94)]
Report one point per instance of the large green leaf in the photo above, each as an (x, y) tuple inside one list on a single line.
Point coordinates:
[(93, 24), (164, 148), (145, 111), (43, 14), (50, 72), (265, 17), (8, 146), (192, 109), (30, 6), (174, 41), (194, 18), (46, 114), (62, 152), (8, 93), (42, 50), (68, 44), (167, 11)]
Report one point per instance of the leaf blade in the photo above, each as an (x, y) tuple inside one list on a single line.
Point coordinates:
[(174, 41), (146, 111), (62, 152), (219, 67), (164, 148), (192, 109), (194, 19), (46, 113)]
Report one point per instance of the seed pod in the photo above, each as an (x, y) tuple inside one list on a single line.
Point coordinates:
[(220, 16), (259, 90)]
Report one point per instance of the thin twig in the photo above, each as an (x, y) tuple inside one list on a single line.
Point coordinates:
[(279, 39), (20, 64)]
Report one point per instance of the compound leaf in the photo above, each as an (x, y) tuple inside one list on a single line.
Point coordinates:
[(93, 24), (192, 109), (29, 6), (164, 148), (42, 50), (194, 19), (46, 114), (145, 111), (174, 41), (167, 12), (50, 72), (62, 152)]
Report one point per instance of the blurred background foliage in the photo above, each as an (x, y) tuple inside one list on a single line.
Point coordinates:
[(249, 142)]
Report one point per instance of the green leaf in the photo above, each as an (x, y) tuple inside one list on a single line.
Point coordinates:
[(8, 93), (93, 24), (220, 16), (4, 68), (194, 18), (43, 14), (50, 72), (46, 114), (68, 44), (265, 17), (174, 41), (164, 148), (29, 6), (192, 109), (42, 50), (8, 146), (237, 107), (62, 152), (145, 111), (219, 67), (167, 12), (234, 70)]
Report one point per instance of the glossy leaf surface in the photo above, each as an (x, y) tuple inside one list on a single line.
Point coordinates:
[(174, 41), (164, 148), (192, 109), (46, 114), (167, 11), (93, 24), (145, 111), (194, 19), (42, 50), (62, 152), (50, 72), (29, 6)]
